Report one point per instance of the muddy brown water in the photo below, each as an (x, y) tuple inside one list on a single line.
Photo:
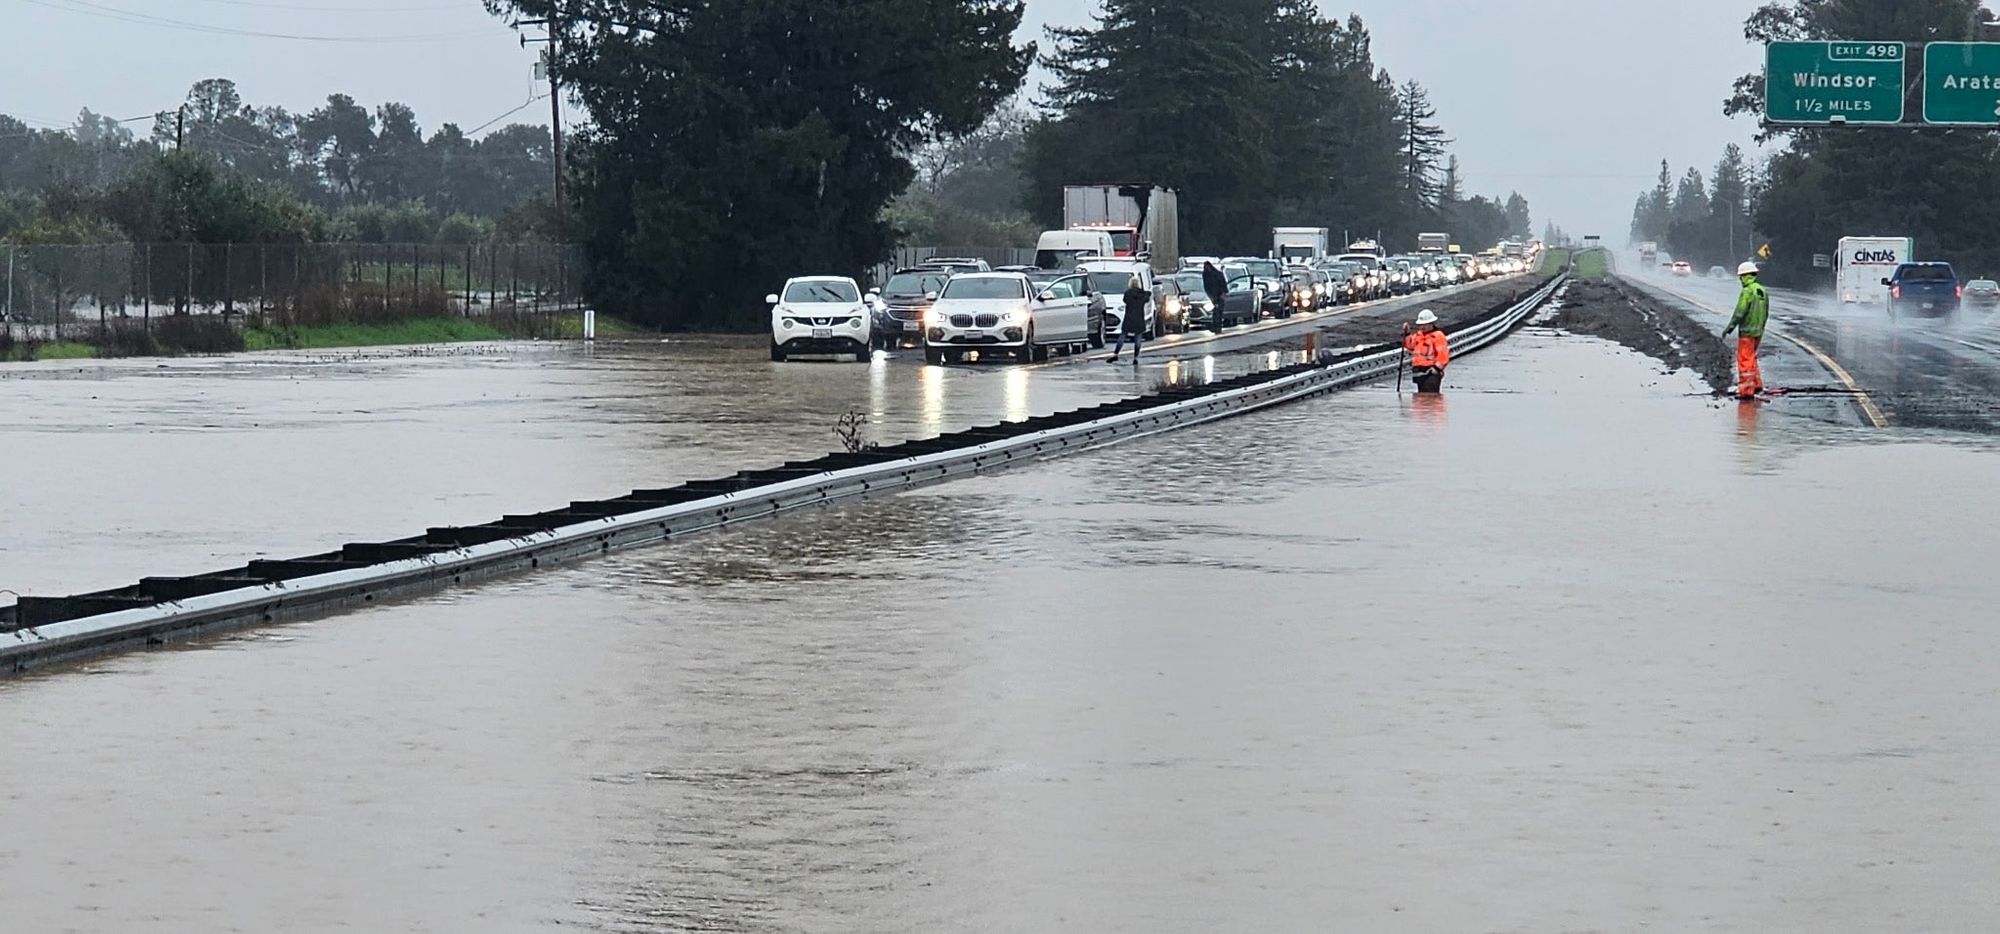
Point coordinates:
[(133, 468), (1561, 650)]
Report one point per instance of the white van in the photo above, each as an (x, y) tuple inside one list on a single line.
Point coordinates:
[(1861, 263), (1062, 249)]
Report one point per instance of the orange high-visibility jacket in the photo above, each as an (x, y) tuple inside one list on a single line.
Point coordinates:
[(1428, 350)]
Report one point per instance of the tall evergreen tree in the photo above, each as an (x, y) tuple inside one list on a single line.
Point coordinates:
[(1197, 120), (1729, 206), (1423, 147), (1520, 223), (733, 142)]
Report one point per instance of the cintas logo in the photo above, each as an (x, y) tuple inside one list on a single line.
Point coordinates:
[(1876, 257)]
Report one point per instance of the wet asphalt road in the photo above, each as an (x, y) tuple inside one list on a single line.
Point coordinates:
[(1922, 373), (1565, 649)]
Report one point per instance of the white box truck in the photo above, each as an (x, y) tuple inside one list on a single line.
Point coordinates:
[(1298, 244), (1140, 218), (1433, 242), (1861, 263)]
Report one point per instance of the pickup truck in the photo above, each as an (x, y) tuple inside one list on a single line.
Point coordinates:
[(1929, 290)]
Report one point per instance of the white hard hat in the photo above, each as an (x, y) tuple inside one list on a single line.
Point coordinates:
[(1747, 269), (1426, 317)]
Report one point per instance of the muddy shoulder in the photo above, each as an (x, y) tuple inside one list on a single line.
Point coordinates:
[(1607, 309)]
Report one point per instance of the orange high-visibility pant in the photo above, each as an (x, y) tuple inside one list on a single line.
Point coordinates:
[(1749, 381)]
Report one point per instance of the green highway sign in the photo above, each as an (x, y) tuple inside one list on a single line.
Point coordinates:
[(1833, 82), (1962, 83)]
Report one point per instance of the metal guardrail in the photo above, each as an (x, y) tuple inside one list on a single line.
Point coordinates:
[(45, 630)]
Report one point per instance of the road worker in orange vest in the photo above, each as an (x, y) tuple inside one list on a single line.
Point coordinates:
[(1430, 351)]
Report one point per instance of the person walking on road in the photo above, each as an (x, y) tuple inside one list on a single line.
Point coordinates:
[(1217, 286), (1134, 323), (1753, 310), (1430, 352)]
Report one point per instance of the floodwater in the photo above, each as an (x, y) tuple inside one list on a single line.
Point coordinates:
[(141, 467), (1565, 649), (123, 469)]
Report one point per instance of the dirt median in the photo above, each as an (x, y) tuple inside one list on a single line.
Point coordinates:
[(1608, 310)]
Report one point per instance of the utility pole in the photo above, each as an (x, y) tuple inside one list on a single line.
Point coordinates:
[(554, 40), (180, 124), (556, 135)]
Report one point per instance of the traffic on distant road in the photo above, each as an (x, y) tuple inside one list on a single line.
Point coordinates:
[(1074, 298)]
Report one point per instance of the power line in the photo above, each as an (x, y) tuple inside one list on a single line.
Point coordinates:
[(263, 5), (69, 128), (524, 106), (87, 8)]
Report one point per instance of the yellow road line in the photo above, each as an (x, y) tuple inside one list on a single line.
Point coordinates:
[(1868, 406)]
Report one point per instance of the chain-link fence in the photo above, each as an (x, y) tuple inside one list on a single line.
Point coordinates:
[(52, 291)]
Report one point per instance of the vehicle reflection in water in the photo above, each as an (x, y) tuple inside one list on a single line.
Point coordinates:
[(1014, 405), (878, 391), (930, 401)]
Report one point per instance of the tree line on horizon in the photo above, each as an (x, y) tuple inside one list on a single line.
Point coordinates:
[(221, 170)]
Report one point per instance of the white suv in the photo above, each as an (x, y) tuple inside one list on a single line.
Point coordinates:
[(1003, 311), (820, 315)]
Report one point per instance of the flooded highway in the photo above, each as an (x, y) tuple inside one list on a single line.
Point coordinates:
[(148, 467), (144, 467), (1923, 373), (1564, 649)]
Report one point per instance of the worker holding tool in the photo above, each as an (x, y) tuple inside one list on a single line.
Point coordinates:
[(1753, 309), (1430, 352)]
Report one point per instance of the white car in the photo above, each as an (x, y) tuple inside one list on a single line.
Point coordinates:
[(1111, 277), (1004, 312), (820, 315)]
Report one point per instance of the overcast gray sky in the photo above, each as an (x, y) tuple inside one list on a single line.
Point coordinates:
[(1571, 102)]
